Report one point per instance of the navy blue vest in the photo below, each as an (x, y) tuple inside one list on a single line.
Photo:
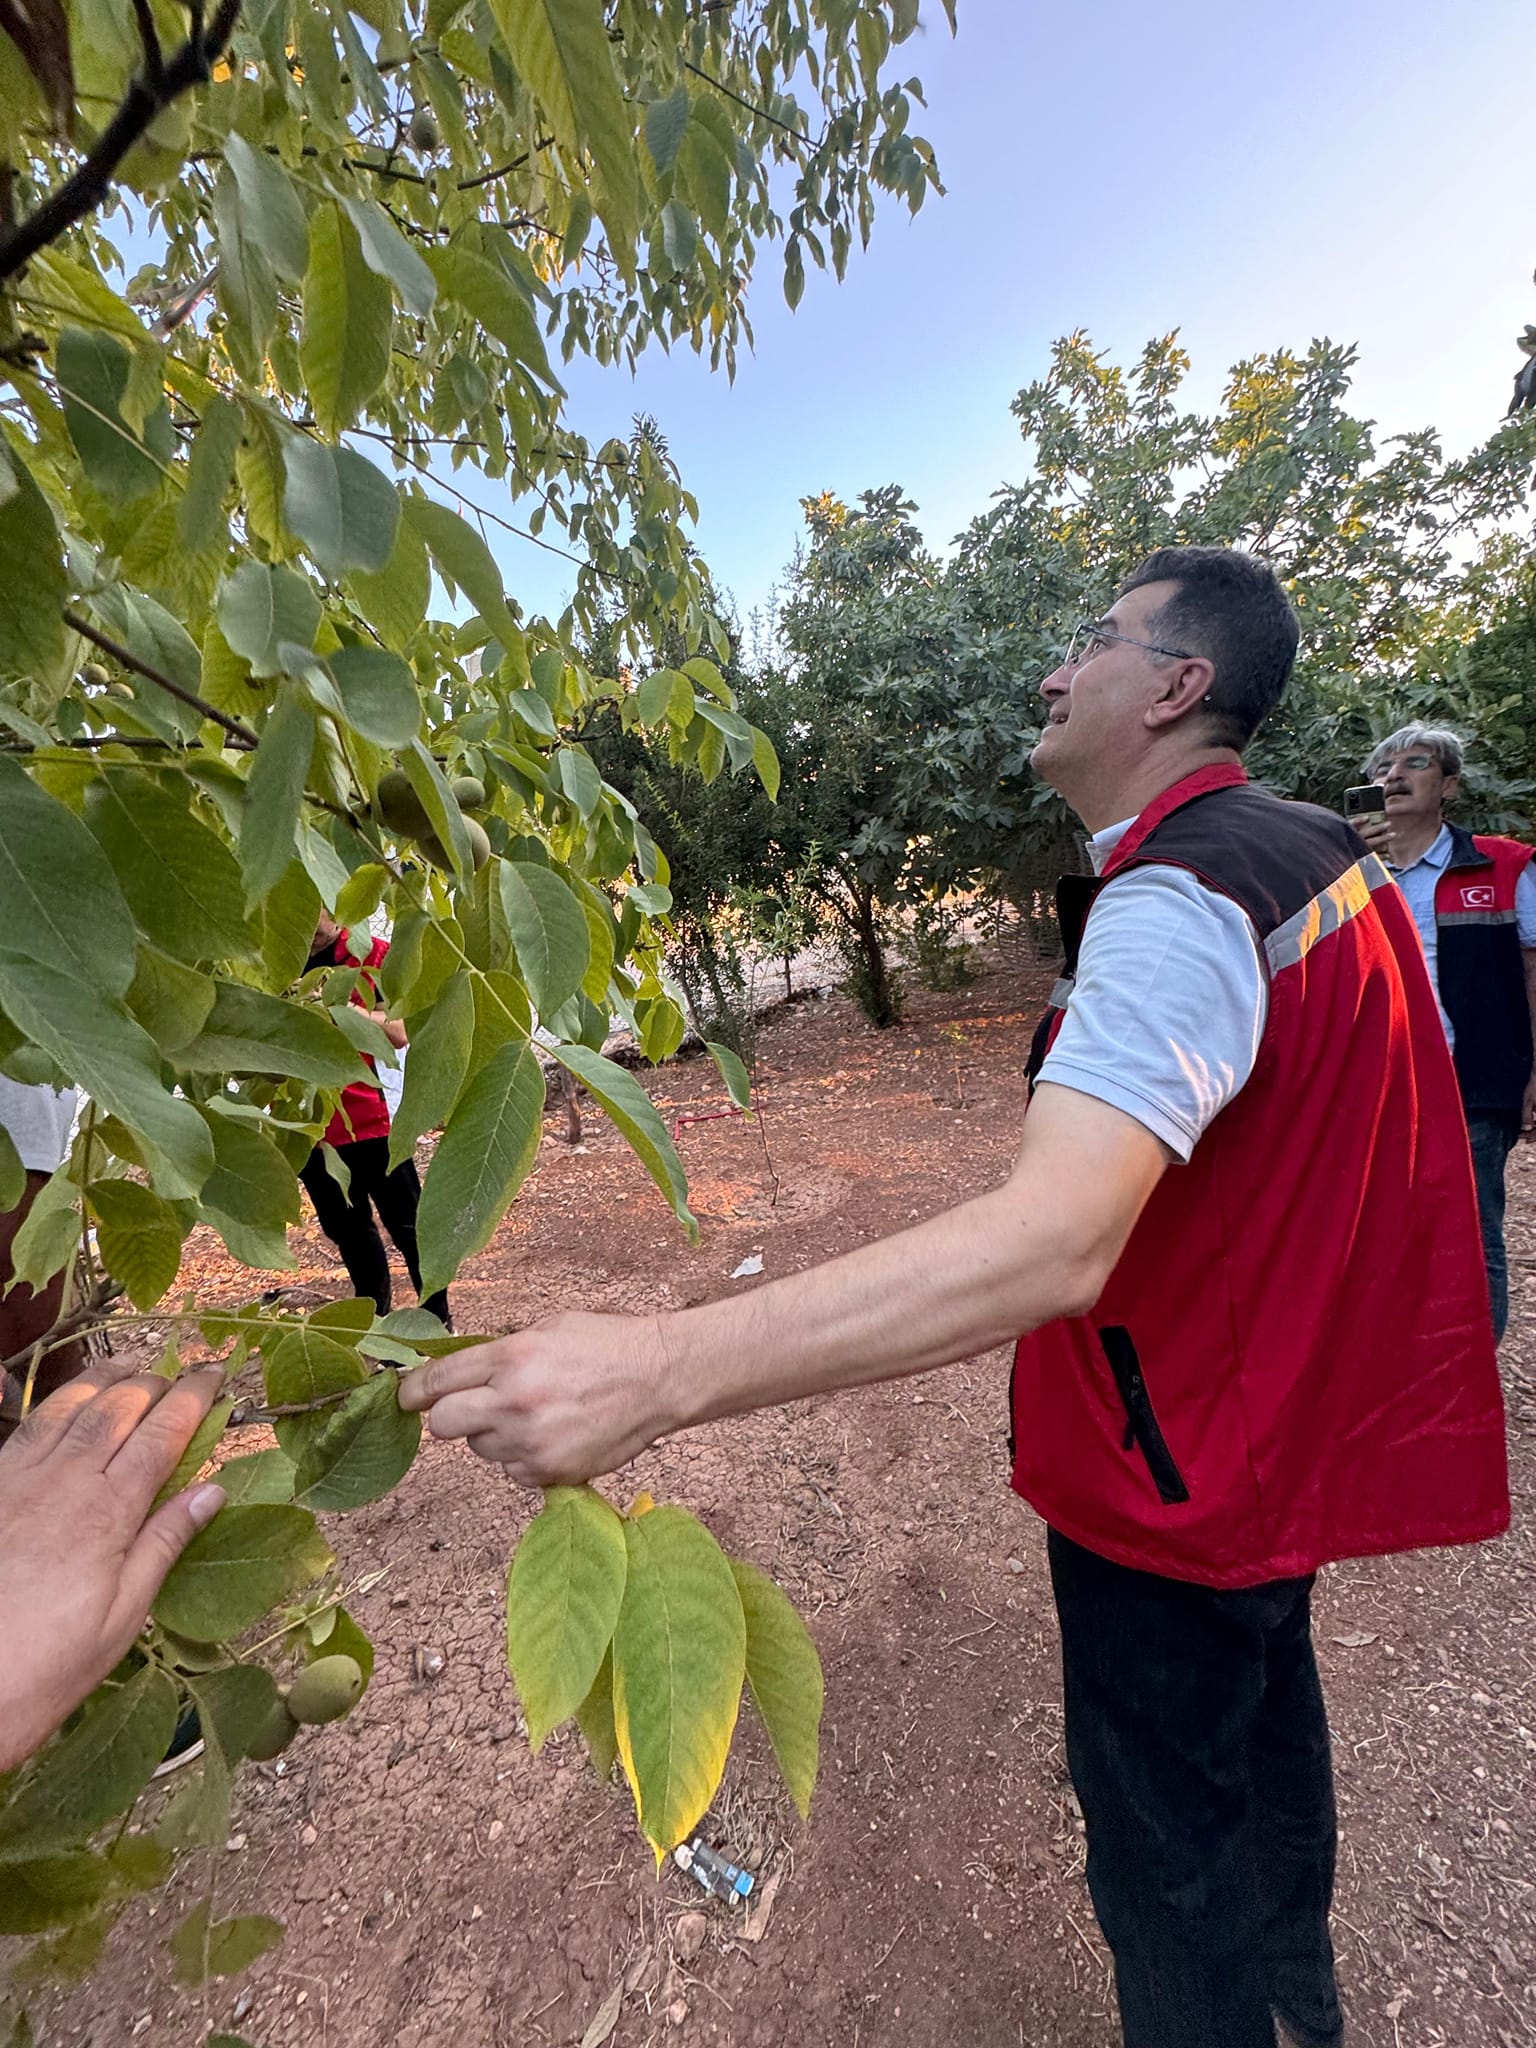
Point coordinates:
[(1481, 971)]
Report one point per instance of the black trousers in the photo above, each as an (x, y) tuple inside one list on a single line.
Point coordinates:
[(1198, 1744), (348, 1219), (1493, 1138)]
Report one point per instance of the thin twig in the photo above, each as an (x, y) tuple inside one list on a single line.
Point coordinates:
[(773, 1172), (154, 60), (751, 106), (181, 309), (147, 97), (241, 734), (885, 1952), (64, 1329), (242, 1418)]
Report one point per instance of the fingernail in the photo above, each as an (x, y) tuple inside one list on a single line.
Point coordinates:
[(204, 1502)]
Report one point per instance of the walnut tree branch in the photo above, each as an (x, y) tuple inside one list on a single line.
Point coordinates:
[(149, 94), (242, 735)]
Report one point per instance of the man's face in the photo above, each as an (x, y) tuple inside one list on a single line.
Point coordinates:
[(1417, 787), (1096, 706), (326, 929)]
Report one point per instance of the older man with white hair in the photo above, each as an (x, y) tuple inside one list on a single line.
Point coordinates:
[(1473, 898)]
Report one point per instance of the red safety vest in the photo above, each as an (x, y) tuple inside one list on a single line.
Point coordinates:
[(1292, 1361)]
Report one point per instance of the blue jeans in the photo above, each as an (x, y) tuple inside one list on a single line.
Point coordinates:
[(1493, 1139), (1198, 1743)]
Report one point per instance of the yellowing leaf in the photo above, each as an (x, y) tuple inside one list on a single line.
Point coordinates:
[(679, 1659), (140, 1238), (594, 1717), (564, 1591), (784, 1673), (349, 314), (33, 588)]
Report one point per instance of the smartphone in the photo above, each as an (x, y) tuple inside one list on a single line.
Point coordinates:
[(1363, 798)]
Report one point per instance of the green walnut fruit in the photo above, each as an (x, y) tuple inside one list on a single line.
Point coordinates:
[(433, 849), (277, 1730), (468, 792), (119, 689), (425, 135), (325, 1690), (96, 675), (400, 807)]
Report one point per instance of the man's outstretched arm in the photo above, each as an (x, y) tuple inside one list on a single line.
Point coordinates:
[(579, 1395)]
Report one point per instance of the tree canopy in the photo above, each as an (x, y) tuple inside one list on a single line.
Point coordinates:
[(913, 675), (288, 289)]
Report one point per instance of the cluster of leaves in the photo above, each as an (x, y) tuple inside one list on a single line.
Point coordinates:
[(252, 632), (641, 1627)]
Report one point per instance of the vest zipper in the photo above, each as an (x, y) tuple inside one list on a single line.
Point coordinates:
[(1142, 1431)]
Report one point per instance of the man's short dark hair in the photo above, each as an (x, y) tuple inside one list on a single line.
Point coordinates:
[(1229, 607)]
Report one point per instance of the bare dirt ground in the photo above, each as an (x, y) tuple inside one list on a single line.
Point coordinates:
[(442, 1886)]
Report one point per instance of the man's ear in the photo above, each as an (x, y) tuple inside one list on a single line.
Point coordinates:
[(1183, 686), (1450, 789)]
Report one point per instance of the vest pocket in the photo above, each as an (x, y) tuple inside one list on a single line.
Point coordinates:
[(1141, 1425)]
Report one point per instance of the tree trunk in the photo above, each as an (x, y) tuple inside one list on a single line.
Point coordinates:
[(880, 1002)]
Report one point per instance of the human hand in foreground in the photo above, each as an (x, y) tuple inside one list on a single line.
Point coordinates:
[(81, 1563), (562, 1401)]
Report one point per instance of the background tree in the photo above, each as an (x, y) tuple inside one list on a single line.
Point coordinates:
[(723, 848), (286, 288), (915, 678)]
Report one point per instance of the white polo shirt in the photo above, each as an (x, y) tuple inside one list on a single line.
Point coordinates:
[(40, 1121), (1169, 1003)]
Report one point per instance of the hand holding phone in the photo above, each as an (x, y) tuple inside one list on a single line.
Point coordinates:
[(1365, 806)]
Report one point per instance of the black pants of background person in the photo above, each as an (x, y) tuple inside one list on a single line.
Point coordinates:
[(1198, 1743), (1493, 1138), (348, 1219)]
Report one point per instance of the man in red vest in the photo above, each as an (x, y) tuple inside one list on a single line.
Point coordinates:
[(1473, 898), (1241, 1241)]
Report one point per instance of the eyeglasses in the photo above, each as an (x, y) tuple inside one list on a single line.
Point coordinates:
[(1416, 762), (1091, 638)]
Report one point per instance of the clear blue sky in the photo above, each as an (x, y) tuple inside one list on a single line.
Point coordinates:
[(1251, 177)]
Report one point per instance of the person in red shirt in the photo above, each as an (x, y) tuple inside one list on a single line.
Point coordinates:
[(359, 1132)]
